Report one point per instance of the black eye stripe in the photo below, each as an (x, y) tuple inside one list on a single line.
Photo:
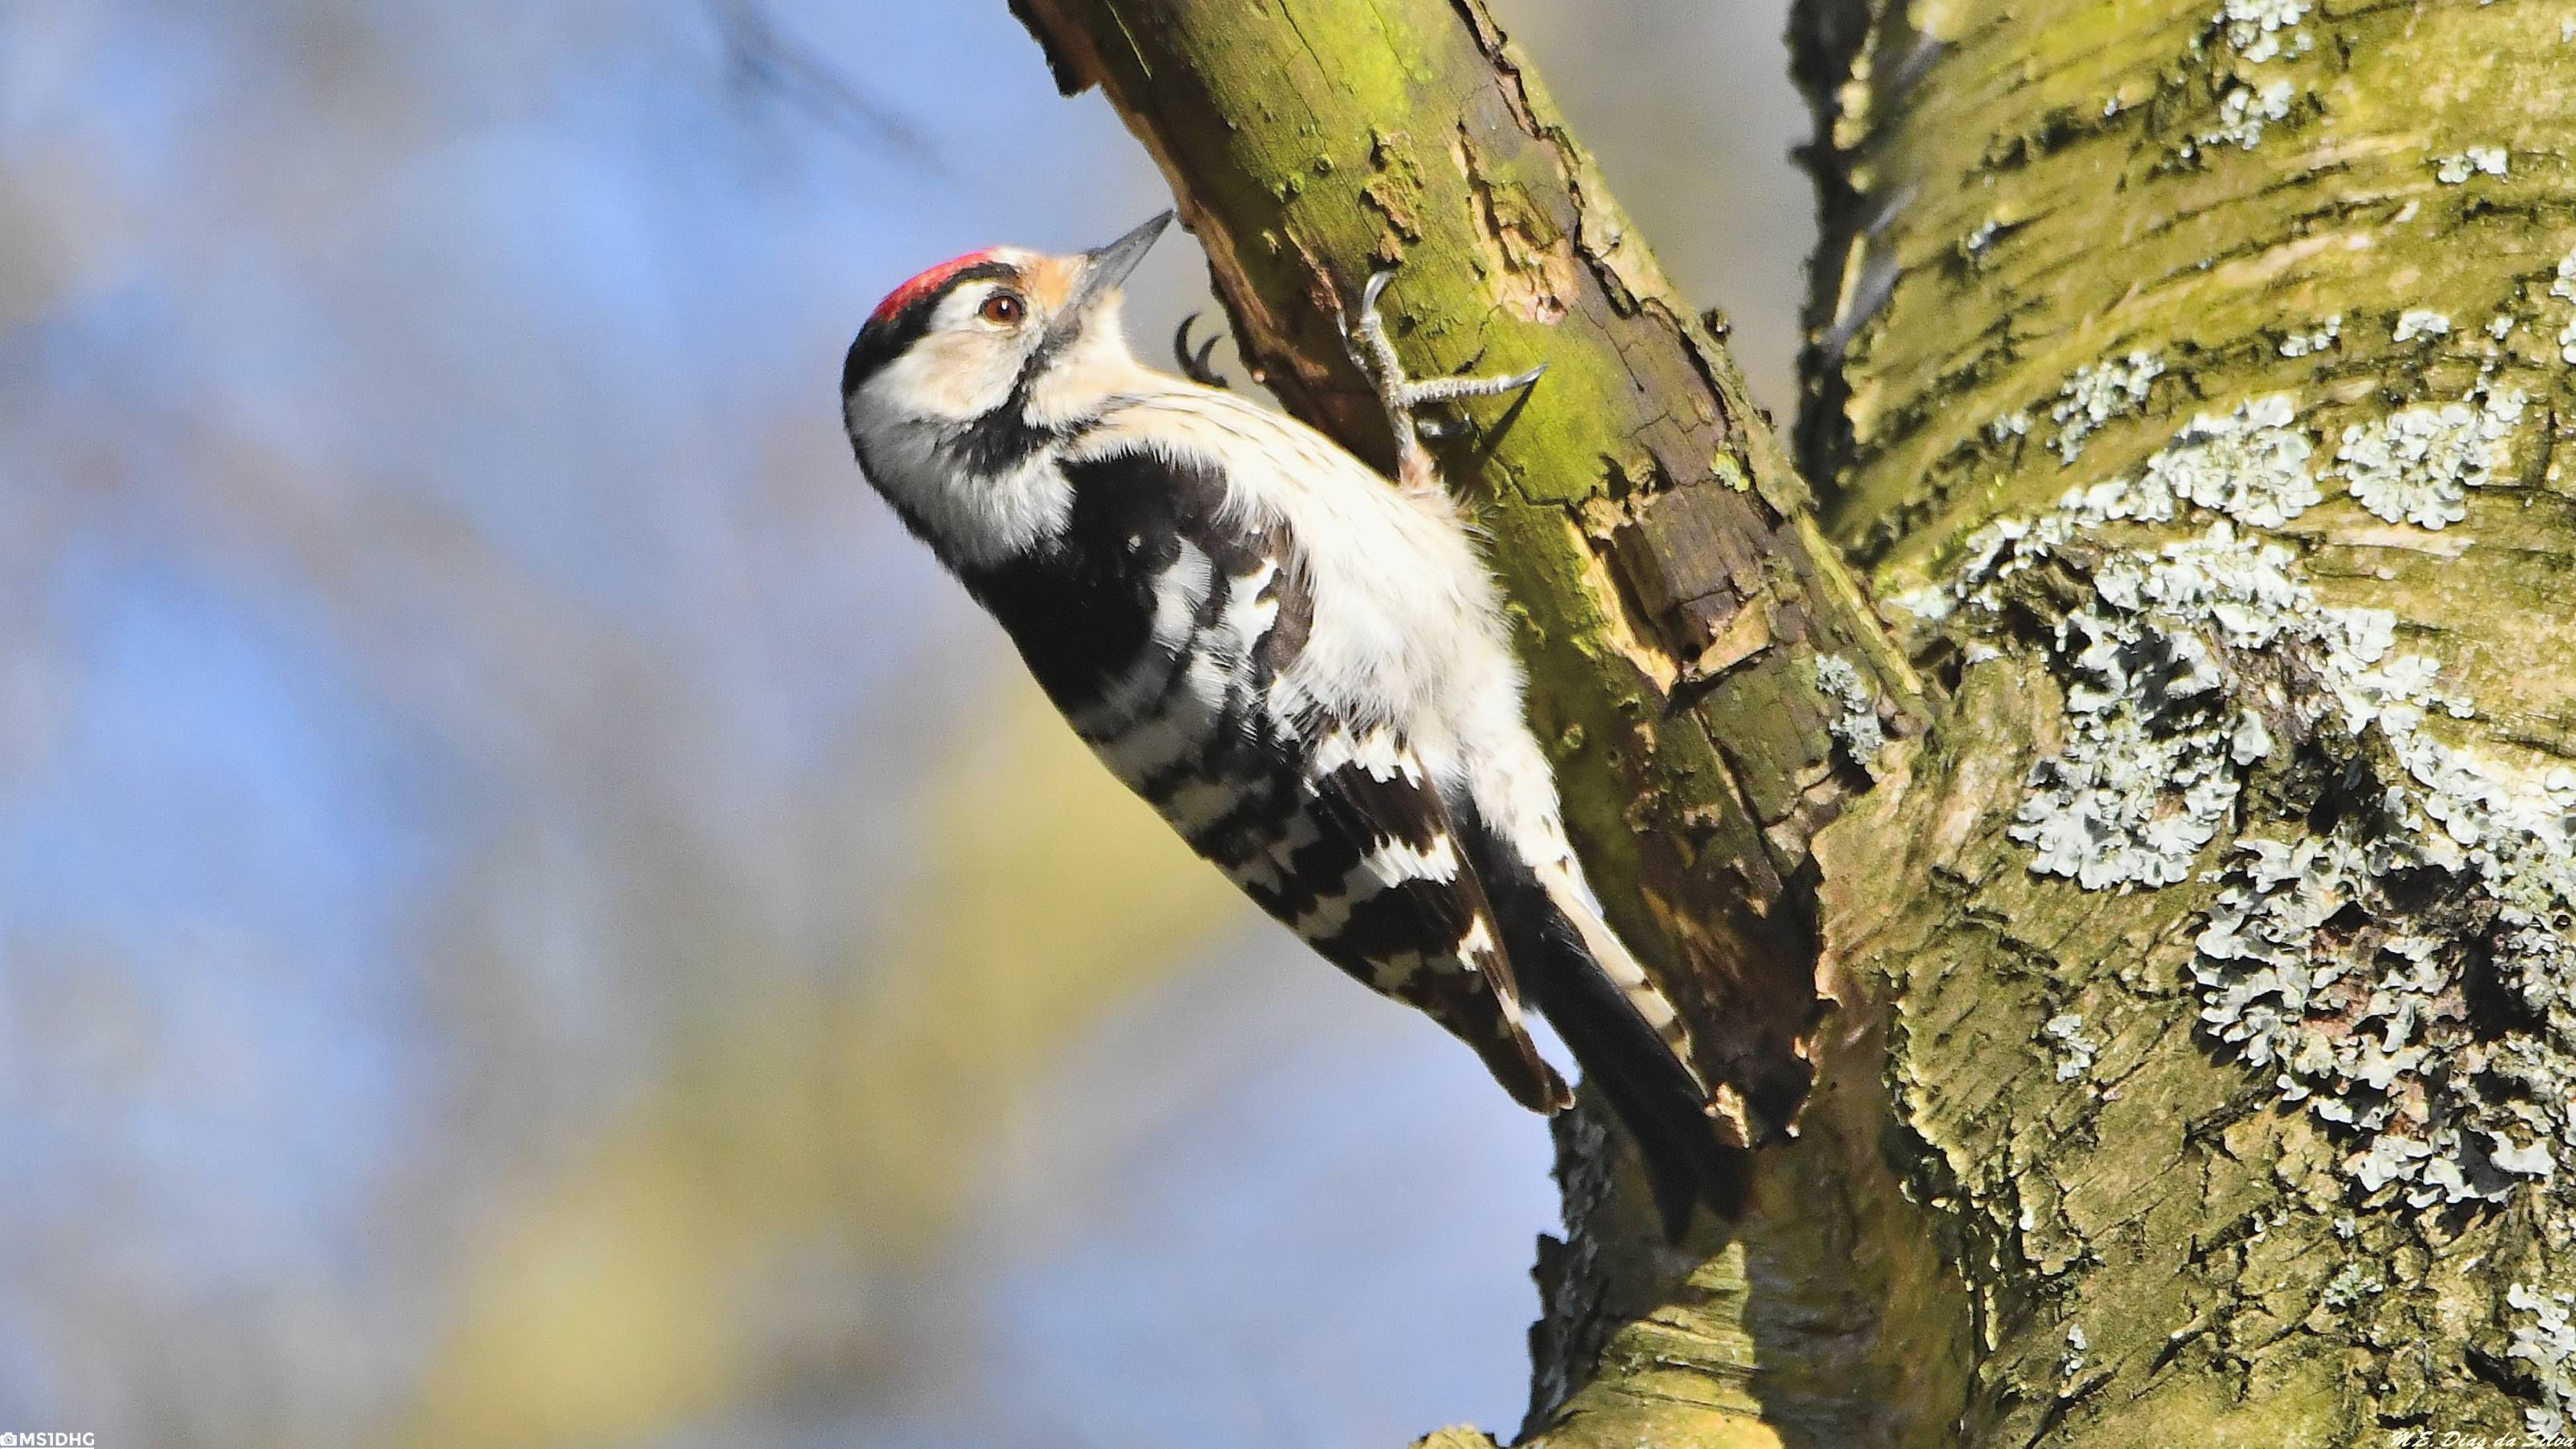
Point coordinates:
[(882, 342)]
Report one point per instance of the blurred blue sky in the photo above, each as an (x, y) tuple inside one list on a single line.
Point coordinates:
[(449, 666)]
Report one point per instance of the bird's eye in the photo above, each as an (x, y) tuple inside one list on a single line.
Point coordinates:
[(1002, 308)]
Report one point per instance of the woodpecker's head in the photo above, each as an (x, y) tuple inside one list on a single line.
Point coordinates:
[(978, 357), (966, 373)]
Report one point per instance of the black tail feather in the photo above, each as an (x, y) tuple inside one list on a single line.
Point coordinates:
[(1655, 1095), (1654, 1092)]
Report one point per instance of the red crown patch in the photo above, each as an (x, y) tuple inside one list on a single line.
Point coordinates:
[(927, 283)]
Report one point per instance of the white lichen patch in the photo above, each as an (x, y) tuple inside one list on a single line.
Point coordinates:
[(2249, 34), (2251, 465), (2350, 1285), (2245, 110), (2417, 322), (2300, 344), (2545, 1339), (2324, 959), (1855, 724), (1930, 603), (2487, 160), (2149, 770), (2008, 426), (2150, 767), (2416, 465), (2398, 952), (2095, 394), (2255, 27), (2075, 1050)]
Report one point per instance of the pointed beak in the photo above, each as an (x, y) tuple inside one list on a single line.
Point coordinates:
[(1103, 268)]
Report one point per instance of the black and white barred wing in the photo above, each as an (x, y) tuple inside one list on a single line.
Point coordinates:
[(1333, 830), (1366, 865)]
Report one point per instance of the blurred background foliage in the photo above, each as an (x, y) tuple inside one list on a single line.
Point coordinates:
[(530, 914)]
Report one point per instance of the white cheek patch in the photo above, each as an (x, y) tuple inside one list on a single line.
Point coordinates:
[(1070, 386), (914, 415), (961, 372)]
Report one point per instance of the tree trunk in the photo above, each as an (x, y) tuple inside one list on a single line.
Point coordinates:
[(2234, 1047), (2180, 1037)]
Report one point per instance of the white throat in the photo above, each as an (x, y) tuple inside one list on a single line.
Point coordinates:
[(916, 423), (974, 519)]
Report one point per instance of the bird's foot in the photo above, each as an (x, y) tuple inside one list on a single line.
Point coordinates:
[(1364, 335)]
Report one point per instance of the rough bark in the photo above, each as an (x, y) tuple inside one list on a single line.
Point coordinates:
[(2136, 1133), (2071, 1168)]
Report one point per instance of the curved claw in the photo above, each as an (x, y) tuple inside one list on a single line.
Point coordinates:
[(1195, 365), (1364, 337), (1375, 289)]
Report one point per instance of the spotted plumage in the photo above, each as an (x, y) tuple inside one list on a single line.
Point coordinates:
[(1301, 665)]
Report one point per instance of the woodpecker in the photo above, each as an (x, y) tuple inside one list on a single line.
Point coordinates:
[(1301, 664)]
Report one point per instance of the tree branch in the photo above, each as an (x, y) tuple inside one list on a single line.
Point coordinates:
[(1678, 611)]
